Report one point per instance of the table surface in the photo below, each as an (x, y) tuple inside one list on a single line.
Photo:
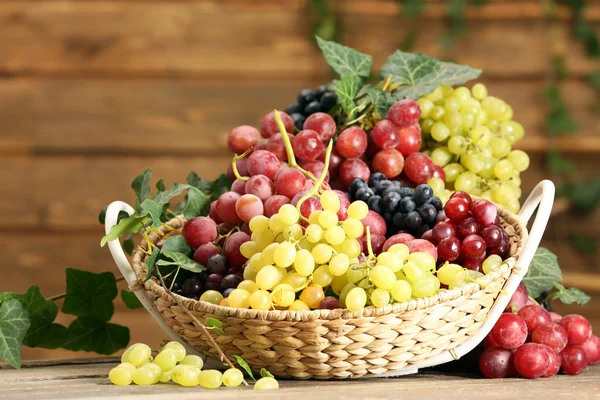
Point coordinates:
[(87, 379)]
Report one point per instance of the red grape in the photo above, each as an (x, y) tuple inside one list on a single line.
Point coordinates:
[(260, 186), (386, 135), (443, 230), (501, 250), (456, 210), (242, 167), (428, 235), (404, 113), (418, 167), (248, 206), (351, 142), (353, 168), (556, 317), (531, 360), (213, 212), (276, 146), (573, 360), (389, 162), (554, 362), (226, 207), (377, 242), (518, 299), (274, 203), (578, 328), (323, 124), (462, 195), (483, 211), (344, 204), (268, 126), (472, 264), (242, 137), (335, 160), (496, 362), (375, 222), (421, 245), (315, 167), (592, 350), (330, 303), (492, 235), (410, 140), (467, 227), (550, 334), (198, 231), (308, 145), (238, 186), (289, 181), (489, 341), (534, 316), (510, 331), (205, 251), (309, 205), (473, 246), (449, 248), (438, 172), (261, 145), (231, 250), (263, 162), (403, 238)]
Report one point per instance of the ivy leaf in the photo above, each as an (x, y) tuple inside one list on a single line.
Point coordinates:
[(151, 261), (265, 374), (14, 322), (90, 294), (344, 60), (557, 163), (570, 295), (346, 90), (543, 273), (102, 215), (160, 186), (180, 260), (420, 74), (197, 204), (176, 244), (141, 186), (154, 209), (163, 198), (126, 225), (130, 299), (128, 246), (214, 188), (585, 195), (244, 365), (381, 100), (93, 334)]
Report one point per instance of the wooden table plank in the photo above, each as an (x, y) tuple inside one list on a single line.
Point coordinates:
[(89, 381)]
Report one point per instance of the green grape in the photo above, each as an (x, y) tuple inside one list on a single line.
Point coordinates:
[(428, 286), (292, 232), (339, 264), (312, 295), (314, 233), (491, 262), (264, 239), (248, 249), (462, 94), (488, 167), (356, 299), (239, 298), (248, 285), (519, 160), (166, 376), (295, 280), (335, 235), (441, 155), (260, 300), (508, 114), (472, 162), (120, 376), (426, 125), (451, 104), (380, 297), (322, 276), (493, 125), (400, 249), (437, 113), (211, 296), (144, 376), (285, 254), (467, 181), (500, 147), (449, 273), (426, 106), (382, 277), (358, 210), (354, 275), (259, 224), (166, 359), (345, 291), (327, 219), (453, 120), (481, 134), (479, 91), (353, 228), (487, 195), (469, 121), (128, 366), (156, 370), (322, 253), (187, 376), (503, 194), (457, 145), (413, 272), (513, 205), (232, 377), (338, 283), (127, 352), (139, 355), (390, 260), (330, 201), (266, 383), (503, 170), (267, 277), (256, 262), (483, 117), (351, 248), (276, 224), (401, 290), (178, 348), (425, 261), (289, 214), (249, 273), (314, 217), (304, 264), (452, 171), (303, 243), (439, 131), (299, 305), (268, 254), (512, 130), (436, 95), (283, 295)]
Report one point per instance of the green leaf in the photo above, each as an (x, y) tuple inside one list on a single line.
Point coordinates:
[(151, 261), (265, 374), (570, 295), (160, 186), (180, 260), (213, 188), (381, 100), (93, 334), (141, 186), (90, 294), (583, 244), (213, 322), (412, 8), (346, 90), (420, 74), (130, 299), (128, 246), (102, 215), (345, 60), (557, 163), (126, 225), (198, 205), (162, 198), (14, 322), (585, 195), (176, 244), (543, 273), (244, 365), (154, 209)]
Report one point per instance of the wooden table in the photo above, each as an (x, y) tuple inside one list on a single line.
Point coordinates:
[(87, 379)]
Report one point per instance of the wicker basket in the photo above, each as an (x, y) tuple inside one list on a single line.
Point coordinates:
[(334, 344)]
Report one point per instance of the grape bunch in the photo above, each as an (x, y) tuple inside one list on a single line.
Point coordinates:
[(310, 102), (531, 342), (172, 364), (404, 209), (470, 134)]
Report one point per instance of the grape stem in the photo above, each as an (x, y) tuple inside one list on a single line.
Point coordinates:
[(387, 82), (224, 359), (369, 247), (234, 161), (317, 185)]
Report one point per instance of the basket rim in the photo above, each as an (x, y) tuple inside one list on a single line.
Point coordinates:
[(507, 218)]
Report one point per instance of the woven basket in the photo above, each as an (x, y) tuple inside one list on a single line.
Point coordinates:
[(335, 344)]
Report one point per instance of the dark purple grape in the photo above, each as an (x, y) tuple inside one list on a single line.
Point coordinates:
[(214, 282), (191, 287), (226, 292), (230, 281), (217, 264), (466, 228), (492, 236)]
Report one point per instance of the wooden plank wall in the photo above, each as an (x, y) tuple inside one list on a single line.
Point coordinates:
[(92, 92)]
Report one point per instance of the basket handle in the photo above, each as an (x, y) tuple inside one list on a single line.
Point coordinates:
[(112, 215)]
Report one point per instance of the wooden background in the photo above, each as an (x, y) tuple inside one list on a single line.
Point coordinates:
[(93, 92)]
